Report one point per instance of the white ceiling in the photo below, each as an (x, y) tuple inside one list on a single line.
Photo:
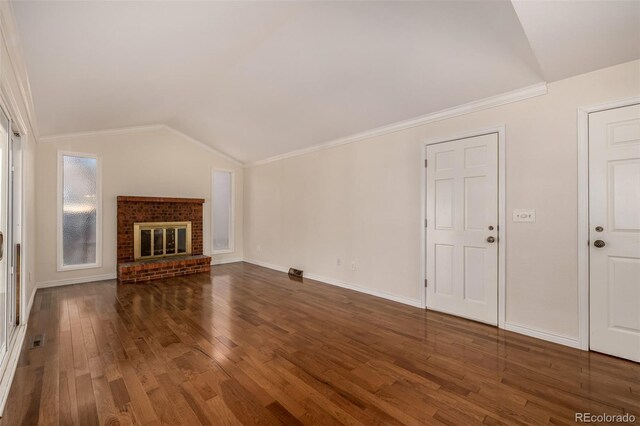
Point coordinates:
[(257, 79), (574, 37)]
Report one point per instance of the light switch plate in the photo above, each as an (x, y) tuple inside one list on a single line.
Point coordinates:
[(524, 215)]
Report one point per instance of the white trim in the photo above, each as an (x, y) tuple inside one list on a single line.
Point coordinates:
[(502, 226), (98, 263), (81, 280), (502, 216), (468, 108), (23, 230), (267, 265), (331, 281), (544, 335), (378, 293), (232, 211), (225, 261), (583, 212), (64, 137), (134, 129)]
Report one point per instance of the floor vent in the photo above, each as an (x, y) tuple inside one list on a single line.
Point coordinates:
[(295, 273), (37, 341)]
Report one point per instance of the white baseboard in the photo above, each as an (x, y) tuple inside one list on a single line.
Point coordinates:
[(224, 261), (331, 281), (378, 293), (267, 265), (573, 342), (81, 280)]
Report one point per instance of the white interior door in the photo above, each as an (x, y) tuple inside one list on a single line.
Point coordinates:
[(462, 228), (614, 222)]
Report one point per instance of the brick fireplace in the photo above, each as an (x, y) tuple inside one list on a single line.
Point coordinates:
[(137, 210)]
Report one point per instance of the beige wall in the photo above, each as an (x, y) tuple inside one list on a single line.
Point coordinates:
[(361, 202), (151, 162)]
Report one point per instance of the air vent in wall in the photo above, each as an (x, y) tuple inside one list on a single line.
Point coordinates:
[(295, 273)]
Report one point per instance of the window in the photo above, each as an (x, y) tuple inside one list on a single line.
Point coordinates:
[(79, 216), (222, 211)]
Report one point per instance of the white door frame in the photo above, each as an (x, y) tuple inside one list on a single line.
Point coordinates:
[(502, 210), (583, 212)]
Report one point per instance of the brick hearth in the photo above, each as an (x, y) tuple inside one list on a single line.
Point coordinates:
[(159, 209), (155, 269)]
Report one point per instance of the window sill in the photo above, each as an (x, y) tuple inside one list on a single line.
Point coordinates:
[(62, 268), (225, 251)]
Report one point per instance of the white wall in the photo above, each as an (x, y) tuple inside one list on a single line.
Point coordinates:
[(147, 162), (361, 202)]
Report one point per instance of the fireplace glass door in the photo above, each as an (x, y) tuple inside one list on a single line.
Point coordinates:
[(161, 239)]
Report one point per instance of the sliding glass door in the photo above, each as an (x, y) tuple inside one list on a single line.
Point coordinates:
[(10, 215), (5, 135)]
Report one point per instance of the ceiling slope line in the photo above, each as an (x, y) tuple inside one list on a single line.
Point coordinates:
[(204, 145), (468, 108), (135, 129)]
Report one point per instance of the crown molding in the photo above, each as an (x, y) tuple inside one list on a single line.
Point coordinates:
[(134, 129), (63, 137), (468, 108)]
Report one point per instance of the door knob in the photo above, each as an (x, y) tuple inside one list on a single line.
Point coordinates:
[(599, 243), (491, 240)]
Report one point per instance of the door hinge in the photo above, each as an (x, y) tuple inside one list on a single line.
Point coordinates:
[(425, 283), (425, 163), (425, 223)]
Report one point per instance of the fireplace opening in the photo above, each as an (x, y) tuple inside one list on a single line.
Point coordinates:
[(161, 239)]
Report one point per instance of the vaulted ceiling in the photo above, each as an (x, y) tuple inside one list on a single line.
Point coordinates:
[(257, 79)]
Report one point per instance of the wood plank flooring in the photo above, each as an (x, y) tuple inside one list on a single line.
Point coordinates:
[(245, 345)]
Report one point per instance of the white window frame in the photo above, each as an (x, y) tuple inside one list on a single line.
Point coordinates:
[(98, 262), (232, 208)]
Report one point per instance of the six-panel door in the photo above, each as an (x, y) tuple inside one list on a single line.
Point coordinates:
[(614, 234), (462, 227)]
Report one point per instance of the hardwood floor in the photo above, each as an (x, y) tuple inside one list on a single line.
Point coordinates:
[(245, 345)]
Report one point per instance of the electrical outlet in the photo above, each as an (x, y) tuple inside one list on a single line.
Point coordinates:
[(354, 265), (524, 215)]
